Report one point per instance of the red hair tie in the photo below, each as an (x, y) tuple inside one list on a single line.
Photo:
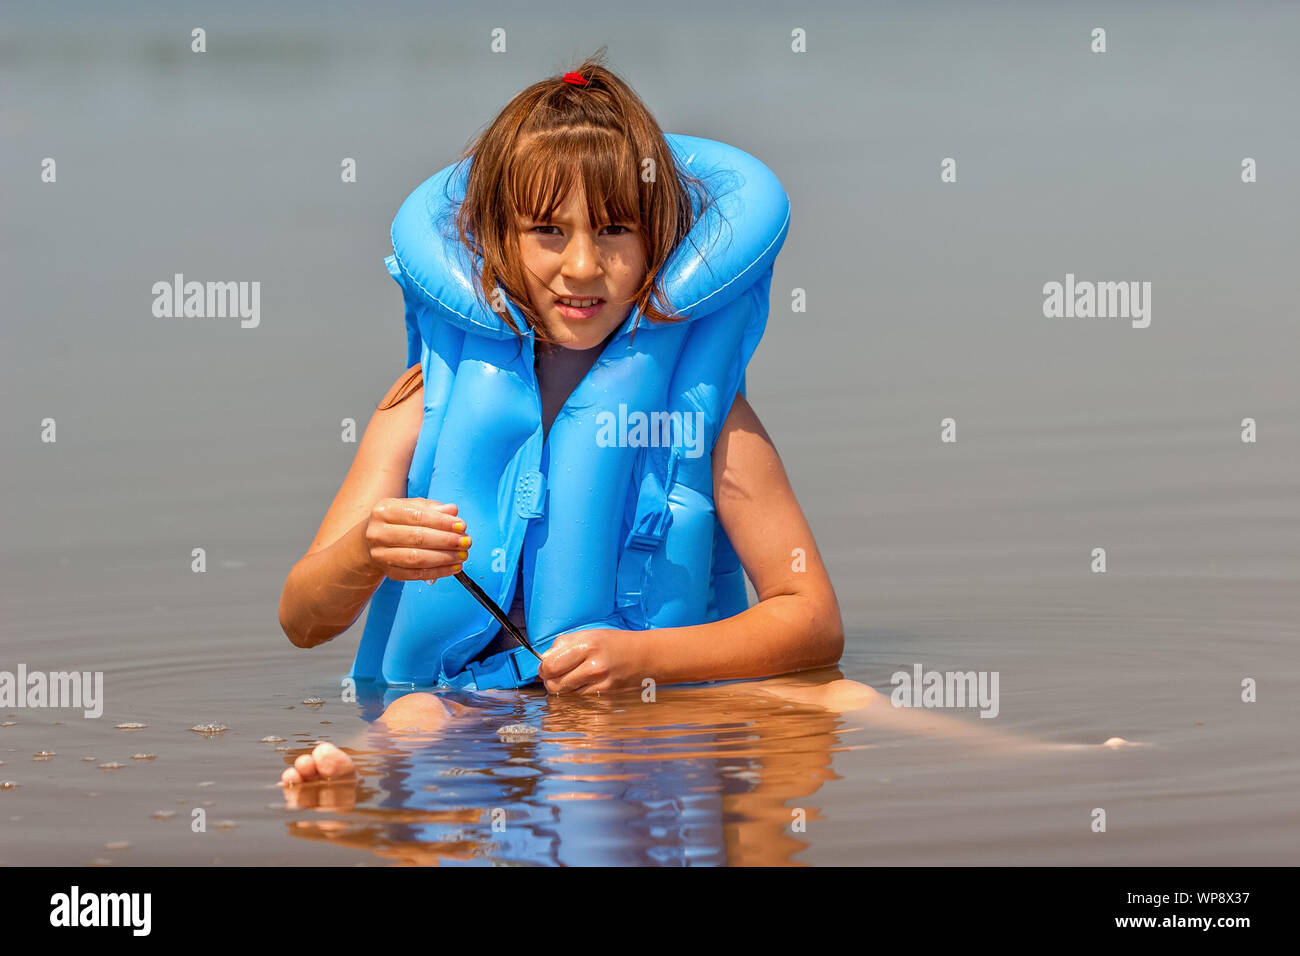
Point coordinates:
[(577, 79)]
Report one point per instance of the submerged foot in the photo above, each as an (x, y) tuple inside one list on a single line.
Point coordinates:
[(325, 779), (326, 763)]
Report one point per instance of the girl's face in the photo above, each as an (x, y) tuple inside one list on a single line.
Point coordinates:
[(567, 261)]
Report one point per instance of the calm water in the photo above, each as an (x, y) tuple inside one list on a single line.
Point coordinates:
[(924, 303)]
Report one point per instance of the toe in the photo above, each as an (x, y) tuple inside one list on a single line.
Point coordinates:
[(332, 762), (306, 767)]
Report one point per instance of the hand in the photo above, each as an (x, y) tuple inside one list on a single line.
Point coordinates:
[(593, 662), (416, 539)]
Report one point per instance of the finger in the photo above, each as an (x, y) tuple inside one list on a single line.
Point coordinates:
[(587, 674), (562, 687), (560, 659), (420, 511), (417, 559), (429, 575), (388, 535)]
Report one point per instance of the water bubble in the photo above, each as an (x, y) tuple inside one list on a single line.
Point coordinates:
[(8, 785), (117, 845), (89, 759), (209, 730), (143, 756), (44, 755), (131, 726), (111, 765), (271, 740), (314, 702), (517, 733), (163, 814)]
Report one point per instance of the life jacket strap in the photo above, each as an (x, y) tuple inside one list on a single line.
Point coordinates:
[(513, 668), (650, 523)]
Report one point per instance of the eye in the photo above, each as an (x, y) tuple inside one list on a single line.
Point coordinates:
[(540, 229)]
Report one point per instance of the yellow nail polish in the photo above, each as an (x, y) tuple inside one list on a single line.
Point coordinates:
[(464, 543), (455, 568), (462, 555), (458, 526)]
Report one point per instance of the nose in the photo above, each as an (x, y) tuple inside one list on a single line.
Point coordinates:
[(581, 258)]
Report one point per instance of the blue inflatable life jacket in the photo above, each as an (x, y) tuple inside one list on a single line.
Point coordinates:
[(612, 514)]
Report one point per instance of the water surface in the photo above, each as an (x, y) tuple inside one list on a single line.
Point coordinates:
[(924, 303)]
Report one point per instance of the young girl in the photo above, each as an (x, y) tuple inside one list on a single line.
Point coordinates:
[(559, 216)]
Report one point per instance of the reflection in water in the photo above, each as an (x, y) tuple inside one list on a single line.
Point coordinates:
[(704, 775)]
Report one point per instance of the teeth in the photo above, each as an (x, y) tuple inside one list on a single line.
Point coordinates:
[(579, 303)]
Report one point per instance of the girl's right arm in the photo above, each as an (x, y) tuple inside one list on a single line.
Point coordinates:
[(372, 531)]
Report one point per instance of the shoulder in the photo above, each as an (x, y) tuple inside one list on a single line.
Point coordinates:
[(740, 427), (408, 384), (742, 413), (743, 455)]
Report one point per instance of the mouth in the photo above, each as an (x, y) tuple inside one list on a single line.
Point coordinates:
[(573, 307)]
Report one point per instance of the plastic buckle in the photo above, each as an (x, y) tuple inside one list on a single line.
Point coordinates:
[(499, 670), (653, 516), (645, 540)]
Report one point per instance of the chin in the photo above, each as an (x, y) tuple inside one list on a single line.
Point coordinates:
[(581, 335)]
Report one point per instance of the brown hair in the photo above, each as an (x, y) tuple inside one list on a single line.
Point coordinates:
[(549, 136)]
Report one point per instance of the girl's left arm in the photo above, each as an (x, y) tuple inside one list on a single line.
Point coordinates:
[(796, 623)]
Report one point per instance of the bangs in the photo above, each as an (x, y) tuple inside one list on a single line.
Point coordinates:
[(547, 165)]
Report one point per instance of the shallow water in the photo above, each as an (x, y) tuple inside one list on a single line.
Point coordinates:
[(702, 775), (175, 435)]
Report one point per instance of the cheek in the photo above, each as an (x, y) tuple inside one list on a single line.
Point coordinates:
[(532, 258)]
